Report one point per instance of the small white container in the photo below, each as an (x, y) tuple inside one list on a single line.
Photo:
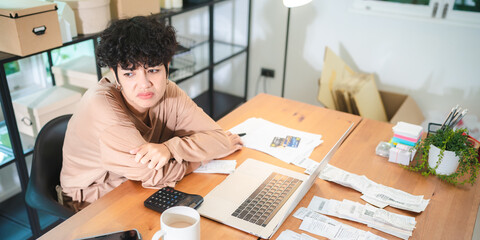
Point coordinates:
[(35, 110), (78, 72), (448, 164), (66, 18), (91, 16)]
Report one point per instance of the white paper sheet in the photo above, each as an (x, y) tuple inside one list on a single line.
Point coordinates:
[(218, 166), (260, 134)]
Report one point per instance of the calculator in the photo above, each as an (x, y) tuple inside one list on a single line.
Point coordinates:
[(168, 197)]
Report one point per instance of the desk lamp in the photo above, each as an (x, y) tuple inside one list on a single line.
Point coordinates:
[(289, 4)]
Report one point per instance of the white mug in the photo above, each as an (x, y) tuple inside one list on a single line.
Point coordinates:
[(179, 223)]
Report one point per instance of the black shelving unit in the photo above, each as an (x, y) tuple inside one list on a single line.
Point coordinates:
[(215, 103)]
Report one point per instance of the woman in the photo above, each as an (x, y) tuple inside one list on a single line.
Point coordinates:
[(137, 125)]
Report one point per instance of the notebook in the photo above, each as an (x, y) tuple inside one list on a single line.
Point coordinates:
[(258, 197)]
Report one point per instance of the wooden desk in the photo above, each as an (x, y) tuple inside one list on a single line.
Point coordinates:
[(123, 207), (450, 214)]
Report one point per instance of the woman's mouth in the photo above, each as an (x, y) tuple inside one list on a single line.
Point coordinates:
[(145, 95)]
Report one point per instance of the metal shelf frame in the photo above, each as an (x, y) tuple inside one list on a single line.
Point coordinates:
[(207, 100)]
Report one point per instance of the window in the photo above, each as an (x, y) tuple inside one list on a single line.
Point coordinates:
[(466, 12)]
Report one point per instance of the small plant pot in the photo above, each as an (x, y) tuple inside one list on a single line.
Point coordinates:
[(448, 164)]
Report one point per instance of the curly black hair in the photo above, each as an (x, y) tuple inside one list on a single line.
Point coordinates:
[(137, 41)]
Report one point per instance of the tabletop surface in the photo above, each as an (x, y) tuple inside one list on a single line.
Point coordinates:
[(450, 215)]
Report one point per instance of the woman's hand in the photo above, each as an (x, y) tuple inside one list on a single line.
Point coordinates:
[(156, 155)]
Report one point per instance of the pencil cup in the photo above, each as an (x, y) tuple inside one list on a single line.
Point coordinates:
[(179, 223)]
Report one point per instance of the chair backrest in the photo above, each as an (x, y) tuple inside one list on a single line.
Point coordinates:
[(46, 167)]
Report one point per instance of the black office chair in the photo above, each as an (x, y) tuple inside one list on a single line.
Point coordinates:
[(46, 167)]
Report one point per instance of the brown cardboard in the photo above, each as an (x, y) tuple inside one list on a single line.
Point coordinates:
[(18, 19), (401, 107), (368, 100), (334, 69), (129, 8), (344, 90)]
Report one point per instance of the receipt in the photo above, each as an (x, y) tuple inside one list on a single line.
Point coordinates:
[(218, 166)]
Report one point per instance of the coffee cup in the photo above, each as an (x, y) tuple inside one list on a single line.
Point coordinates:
[(179, 223)]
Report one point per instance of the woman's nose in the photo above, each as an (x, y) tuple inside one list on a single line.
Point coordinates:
[(144, 80)]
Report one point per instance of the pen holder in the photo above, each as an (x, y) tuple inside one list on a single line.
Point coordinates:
[(433, 128)]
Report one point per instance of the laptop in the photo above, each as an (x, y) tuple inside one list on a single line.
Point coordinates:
[(258, 197)]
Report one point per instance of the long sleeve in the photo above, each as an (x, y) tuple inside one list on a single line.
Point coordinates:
[(103, 130), (115, 144), (197, 137)]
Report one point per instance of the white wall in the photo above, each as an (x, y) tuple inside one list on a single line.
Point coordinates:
[(435, 62)]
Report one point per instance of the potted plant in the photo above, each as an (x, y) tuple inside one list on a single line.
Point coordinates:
[(448, 154)]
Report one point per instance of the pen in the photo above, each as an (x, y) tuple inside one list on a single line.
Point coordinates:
[(457, 120), (448, 117), (241, 134)]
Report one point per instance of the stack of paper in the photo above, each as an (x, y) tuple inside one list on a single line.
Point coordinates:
[(374, 193), (395, 224), (407, 133), (405, 137), (321, 225), (286, 144)]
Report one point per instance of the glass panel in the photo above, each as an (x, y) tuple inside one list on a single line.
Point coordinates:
[(11, 67), (467, 5), (6, 153), (64, 54)]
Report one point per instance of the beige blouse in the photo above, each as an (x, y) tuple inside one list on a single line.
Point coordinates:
[(103, 130)]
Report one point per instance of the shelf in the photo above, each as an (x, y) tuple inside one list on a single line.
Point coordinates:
[(165, 13), (7, 57), (223, 103), (217, 104), (222, 52)]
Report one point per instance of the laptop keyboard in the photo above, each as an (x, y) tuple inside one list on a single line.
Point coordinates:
[(268, 198)]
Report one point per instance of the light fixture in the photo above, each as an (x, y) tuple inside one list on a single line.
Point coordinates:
[(295, 3), (289, 4)]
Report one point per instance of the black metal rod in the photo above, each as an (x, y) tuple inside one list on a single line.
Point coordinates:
[(247, 50), (99, 69), (211, 61), (10, 122), (50, 64), (286, 51)]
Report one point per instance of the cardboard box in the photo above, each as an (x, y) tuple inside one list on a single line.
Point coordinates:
[(401, 107), (91, 16), (35, 110), (130, 8), (78, 72), (28, 27), (345, 90)]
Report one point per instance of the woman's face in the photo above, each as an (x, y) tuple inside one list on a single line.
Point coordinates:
[(143, 87)]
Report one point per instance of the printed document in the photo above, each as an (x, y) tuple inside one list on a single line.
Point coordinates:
[(286, 144), (374, 193)]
